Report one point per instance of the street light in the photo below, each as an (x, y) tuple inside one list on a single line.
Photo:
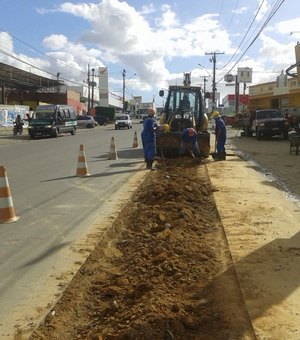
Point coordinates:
[(130, 78), (205, 69), (124, 86)]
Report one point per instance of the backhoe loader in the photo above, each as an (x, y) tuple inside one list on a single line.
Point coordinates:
[(184, 108)]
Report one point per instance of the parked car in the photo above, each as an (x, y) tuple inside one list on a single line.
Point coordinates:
[(86, 121), (123, 121), (101, 120)]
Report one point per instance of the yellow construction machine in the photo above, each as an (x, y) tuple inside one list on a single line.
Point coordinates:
[(184, 108)]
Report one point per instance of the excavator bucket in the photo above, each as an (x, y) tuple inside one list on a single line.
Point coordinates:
[(168, 144)]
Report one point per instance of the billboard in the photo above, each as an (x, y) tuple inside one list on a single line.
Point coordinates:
[(103, 86), (245, 75), (8, 113)]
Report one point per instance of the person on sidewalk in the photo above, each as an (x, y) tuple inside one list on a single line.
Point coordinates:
[(149, 139), (220, 133)]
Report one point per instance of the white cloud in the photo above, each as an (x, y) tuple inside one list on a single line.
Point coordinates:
[(125, 36), (168, 18), (287, 26), (6, 42), (240, 10), (22, 61), (263, 10), (274, 52), (55, 42), (148, 9)]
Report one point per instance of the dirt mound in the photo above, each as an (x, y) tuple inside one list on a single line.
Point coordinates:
[(162, 271)]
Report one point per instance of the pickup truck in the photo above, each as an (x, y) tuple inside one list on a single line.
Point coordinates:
[(265, 124)]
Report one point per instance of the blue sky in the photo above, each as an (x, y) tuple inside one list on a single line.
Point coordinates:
[(156, 40)]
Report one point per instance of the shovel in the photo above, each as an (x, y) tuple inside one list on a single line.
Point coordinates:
[(218, 156)]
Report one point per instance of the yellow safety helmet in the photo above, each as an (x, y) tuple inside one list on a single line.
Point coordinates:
[(215, 114), (166, 127)]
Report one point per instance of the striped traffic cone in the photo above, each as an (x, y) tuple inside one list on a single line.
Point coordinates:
[(113, 150), (7, 211), (135, 141), (82, 169)]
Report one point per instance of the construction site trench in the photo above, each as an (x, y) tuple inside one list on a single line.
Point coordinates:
[(162, 271), (174, 264)]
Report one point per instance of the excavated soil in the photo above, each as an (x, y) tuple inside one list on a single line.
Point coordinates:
[(163, 270)]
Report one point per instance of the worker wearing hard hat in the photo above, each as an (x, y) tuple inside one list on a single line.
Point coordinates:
[(189, 143), (149, 139), (220, 132)]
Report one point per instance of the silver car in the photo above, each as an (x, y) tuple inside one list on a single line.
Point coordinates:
[(86, 121)]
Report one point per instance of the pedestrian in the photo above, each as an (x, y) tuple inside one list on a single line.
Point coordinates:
[(220, 133), (189, 143), (149, 139)]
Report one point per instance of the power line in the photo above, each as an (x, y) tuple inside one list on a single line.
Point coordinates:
[(255, 16), (273, 11), (46, 55), (38, 68), (233, 14)]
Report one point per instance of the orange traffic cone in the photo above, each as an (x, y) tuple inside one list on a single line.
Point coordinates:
[(112, 150), (135, 141), (7, 211), (82, 169)]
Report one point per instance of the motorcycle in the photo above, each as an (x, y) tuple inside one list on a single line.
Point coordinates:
[(17, 129)]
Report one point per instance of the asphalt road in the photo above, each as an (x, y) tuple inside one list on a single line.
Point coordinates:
[(56, 210)]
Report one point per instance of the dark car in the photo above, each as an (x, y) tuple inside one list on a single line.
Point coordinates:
[(101, 120), (52, 120)]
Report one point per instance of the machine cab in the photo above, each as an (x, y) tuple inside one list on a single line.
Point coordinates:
[(184, 107)]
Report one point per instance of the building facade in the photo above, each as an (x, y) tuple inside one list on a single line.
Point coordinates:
[(229, 104), (283, 94)]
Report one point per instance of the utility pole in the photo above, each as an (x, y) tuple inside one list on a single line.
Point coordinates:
[(213, 60), (93, 84), (124, 75), (204, 83), (88, 82)]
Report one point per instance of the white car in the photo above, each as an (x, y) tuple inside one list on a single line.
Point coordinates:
[(123, 121)]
